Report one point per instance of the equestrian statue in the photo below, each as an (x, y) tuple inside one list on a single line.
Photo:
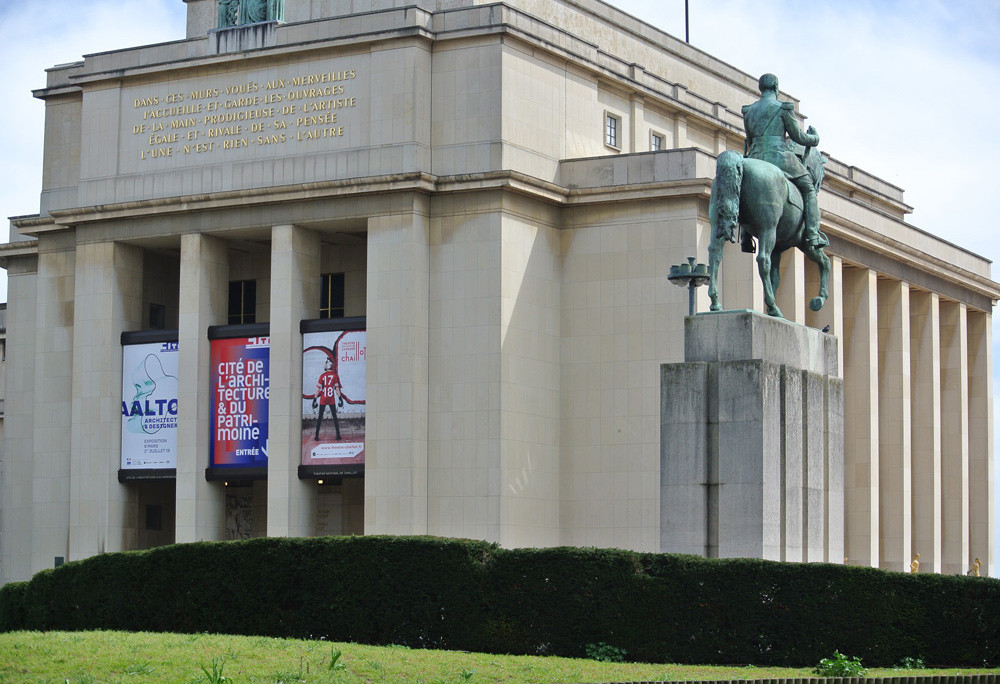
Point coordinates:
[(769, 195)]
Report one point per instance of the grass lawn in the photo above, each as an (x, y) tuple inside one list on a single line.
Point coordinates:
[(145, 657)]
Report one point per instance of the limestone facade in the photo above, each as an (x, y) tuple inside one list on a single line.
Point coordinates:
[(503, 187)]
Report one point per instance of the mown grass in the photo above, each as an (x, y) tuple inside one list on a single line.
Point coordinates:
[(91, 657)]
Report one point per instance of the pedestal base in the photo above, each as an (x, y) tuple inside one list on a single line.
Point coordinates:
[(751, 441)]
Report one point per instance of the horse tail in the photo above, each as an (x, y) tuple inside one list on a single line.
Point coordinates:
[(724, 206)]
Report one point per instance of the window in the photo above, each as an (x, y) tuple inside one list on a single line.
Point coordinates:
[(612, 130), (243, 301), (157, 316), (331, 296), (655, 141)]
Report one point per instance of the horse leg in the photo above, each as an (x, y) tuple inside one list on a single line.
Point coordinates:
[(823, 261), (775, 272), (714, 259), (764, 248)]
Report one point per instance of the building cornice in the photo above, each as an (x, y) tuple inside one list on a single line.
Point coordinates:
[(477, 22), (581, 194)]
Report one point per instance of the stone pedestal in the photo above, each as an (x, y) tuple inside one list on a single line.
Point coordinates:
[(752, 441)]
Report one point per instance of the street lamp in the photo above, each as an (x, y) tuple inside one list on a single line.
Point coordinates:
[(690, 274)]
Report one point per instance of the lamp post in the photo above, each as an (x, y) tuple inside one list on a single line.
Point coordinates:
[(690, 274)]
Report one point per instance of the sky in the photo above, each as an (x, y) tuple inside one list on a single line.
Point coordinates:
[(903, 90)]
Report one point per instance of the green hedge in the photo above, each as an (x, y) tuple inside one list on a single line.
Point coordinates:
[(469, 595)]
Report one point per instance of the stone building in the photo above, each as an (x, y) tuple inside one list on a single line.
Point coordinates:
[(493, 193)]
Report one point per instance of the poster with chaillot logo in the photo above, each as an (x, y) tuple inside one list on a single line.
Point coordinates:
[(334, 374), (149, 405), (240, 392)]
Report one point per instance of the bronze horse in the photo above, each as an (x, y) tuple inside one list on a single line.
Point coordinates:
[(756, 195)]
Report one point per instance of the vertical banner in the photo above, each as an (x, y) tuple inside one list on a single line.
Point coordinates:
[(240, 392), (149, 406), (333, 399)]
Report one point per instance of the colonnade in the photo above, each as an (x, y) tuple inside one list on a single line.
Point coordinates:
[(81, 296), (917, 368)]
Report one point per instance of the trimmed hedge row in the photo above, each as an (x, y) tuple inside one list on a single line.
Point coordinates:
[(469, 595)]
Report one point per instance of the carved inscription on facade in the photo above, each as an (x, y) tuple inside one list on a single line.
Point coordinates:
[(279, 111)]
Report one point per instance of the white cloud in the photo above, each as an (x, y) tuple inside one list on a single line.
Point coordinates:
[(40, 35)]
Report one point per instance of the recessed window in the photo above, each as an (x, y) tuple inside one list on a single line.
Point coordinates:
[(656, 141), (242, 301), (331, 296), (157, 316), (612, 130)]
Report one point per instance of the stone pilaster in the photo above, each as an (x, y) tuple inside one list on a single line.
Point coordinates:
[(295, 276), (16, 515), (681, 131), (638, 136), (396, 420), (53, 394), (204, 289), (108, 301)]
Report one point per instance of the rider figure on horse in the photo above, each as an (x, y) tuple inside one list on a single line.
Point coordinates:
[(767, 122)]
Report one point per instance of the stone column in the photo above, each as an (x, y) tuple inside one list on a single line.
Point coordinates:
[(16, 516), (295, 263), (49, 487), (832, 313), (740, 286), (895, 504), (396, 421), (791, 296), (981, 439), (954, 439), (925, 387), (108, 301), (861, 469), (203, 301)]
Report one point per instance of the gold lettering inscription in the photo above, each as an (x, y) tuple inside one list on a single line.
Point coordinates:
[(237, 115), (271, 139), (320, 133), (316, 120)]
